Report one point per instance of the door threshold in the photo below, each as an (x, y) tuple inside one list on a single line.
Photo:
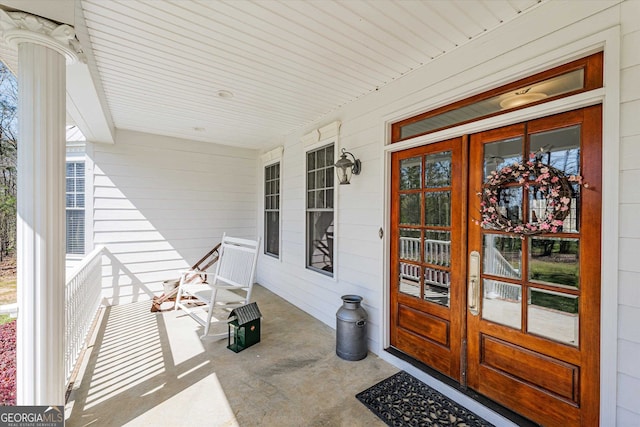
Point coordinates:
[(484, 401)]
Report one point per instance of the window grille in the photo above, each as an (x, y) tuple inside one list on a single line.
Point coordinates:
[(272, 210), (75, 208), (320, 196)]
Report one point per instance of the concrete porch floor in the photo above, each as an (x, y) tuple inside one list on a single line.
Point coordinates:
[(147, 368)]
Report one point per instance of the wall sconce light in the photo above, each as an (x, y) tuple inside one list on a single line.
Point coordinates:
[(345, 167)]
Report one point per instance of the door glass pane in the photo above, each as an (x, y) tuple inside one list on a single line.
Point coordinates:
[(510, 204), (438, 208), (436, 286), (559, 148), (540, 210), (410, 244), (410, 173), (501, 303), (410, 209), (409, 280), (502, 255), (553, 315), (555, 261), (437, 170), (437, 247), (501, 153)]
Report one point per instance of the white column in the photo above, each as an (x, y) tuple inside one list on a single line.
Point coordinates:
[(43, 50)]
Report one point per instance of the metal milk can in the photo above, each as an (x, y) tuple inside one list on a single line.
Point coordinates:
[(351, 329)]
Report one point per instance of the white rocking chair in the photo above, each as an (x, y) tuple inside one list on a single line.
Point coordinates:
[(229, 287)]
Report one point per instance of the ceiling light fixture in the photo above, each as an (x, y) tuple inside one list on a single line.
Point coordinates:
[(225, 94), (521, 97)]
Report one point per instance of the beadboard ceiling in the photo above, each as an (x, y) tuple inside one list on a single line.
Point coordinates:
[(244, 73)]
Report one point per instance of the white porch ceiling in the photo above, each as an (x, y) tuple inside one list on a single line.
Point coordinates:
[(288, 63)]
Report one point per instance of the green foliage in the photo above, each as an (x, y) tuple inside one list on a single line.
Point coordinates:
[(8, 159)]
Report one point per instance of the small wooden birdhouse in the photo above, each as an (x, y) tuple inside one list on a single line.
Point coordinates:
[(244, 327)]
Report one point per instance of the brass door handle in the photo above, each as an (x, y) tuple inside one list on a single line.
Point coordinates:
[(473, 297)]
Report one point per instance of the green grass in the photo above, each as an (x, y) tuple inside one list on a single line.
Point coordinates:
[(555, 302), (554, 272), (5, 318), (8, 293)]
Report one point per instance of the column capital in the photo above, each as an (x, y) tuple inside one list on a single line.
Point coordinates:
[(21, 27)]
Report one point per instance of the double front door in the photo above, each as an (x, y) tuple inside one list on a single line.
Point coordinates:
[(501, 293)]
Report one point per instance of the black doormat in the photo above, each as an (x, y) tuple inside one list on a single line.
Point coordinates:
[(402, 400)]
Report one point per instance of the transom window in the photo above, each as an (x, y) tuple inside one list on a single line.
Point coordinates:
[(575, 77)]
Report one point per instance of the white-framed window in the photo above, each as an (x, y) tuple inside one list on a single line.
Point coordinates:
[(320, 209), (272, 209), (75, 207)]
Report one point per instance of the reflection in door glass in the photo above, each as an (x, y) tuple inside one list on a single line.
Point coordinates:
[(410, 244), (437, 171), (436, 286), (437, 206), (540, 209), (553, 315), (410, 209), (510, 204), (409, 280), (437, 247), (501, 303), (555, 261), (502, 255), (501, 153), (559, 148), (410, 173)]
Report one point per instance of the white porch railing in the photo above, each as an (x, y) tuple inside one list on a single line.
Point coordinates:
[(10, 309), (410, 248), (82, 300), (496, 264), (436, 252)]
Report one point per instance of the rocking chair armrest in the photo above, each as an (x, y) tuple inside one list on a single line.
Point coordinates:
[(192, 271), (223, 286)]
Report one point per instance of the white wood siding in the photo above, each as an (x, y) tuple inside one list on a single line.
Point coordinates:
[(629, 267), (554, 33), (161, 203)]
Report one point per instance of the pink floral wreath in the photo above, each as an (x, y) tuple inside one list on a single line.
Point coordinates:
[(551, 182)]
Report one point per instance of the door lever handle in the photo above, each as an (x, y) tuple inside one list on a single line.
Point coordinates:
[(473, 297)]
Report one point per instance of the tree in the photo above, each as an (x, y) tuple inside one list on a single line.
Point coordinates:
[(8, 159)]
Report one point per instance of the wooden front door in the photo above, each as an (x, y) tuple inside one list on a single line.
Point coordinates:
[(525, 306), (428, 216)]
